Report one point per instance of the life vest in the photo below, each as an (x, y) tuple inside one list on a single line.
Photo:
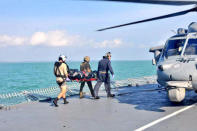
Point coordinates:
[(57, 72)]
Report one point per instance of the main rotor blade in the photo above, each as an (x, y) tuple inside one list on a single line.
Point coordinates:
[(152, 19), (165, 2)]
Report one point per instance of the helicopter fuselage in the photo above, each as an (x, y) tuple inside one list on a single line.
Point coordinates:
[(177, 65), (178, 61)]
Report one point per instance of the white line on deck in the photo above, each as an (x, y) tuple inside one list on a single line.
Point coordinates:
[(163, 118)]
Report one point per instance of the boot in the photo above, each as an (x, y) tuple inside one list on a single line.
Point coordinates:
[(96, 97), (92, 93), (65, 101), (55, 102), (81, 95), (111, 95)]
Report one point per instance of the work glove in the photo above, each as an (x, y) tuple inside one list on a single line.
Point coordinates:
[(67, 79), (112, 76)]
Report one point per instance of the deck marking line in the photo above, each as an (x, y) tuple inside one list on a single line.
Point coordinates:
[(163, 118)]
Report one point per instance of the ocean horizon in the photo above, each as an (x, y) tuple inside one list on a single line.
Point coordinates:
[(67, 61)]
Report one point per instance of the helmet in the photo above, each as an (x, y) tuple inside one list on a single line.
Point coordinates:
[(62, 57), (108, 54), (87, 58)]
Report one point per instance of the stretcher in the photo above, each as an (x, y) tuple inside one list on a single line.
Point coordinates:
[(81, 80), (80, 76)]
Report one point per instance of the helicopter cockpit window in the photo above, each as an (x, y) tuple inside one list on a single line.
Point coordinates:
[(174, 47), (191, 48)]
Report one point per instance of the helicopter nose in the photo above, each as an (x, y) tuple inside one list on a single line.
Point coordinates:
[(165, 67)]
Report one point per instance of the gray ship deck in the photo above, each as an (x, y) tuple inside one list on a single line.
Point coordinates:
[(125, 112)]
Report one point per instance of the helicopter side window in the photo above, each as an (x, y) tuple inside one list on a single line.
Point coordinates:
[(174, 47), (191, 48)]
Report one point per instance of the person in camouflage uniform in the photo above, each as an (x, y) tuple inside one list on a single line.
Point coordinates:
[(85, 67)]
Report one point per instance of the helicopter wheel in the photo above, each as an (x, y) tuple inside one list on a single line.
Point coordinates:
[(176, 94)]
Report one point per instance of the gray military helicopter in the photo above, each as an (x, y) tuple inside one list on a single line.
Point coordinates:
[(176, 61)]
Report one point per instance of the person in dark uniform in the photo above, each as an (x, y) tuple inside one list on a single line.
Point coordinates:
[(103, 76), (85, 67)]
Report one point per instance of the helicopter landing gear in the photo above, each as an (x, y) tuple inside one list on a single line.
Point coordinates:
[(176, 94)]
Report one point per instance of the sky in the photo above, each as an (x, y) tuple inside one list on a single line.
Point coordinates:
[(41, 30)]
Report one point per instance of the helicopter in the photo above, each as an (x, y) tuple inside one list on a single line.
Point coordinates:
[(176, 61)]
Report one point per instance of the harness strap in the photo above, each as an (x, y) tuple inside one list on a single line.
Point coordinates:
[(57, 69), (91, 79)]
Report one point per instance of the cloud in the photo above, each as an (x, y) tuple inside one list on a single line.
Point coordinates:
[(38, 38), (50, 38), (11, 40), (109, 44), (53, 38), (58, 38)]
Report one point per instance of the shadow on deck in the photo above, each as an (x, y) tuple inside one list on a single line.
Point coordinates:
[(148, 97)]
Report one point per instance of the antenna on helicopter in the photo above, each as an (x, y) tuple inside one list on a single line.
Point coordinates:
[(173, 31)]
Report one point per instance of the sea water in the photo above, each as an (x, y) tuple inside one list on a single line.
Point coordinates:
[(16, 77), (33, 81)]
